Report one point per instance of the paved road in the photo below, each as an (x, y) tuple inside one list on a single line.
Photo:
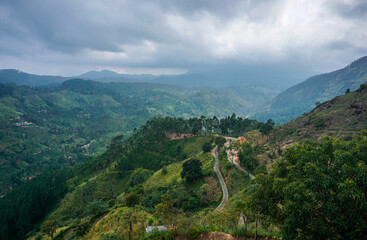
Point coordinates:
[(221, 180), (229, 157)]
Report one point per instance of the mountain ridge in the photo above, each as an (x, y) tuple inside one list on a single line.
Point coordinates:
[(302, 97)]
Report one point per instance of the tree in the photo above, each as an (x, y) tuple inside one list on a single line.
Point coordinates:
[(220, 141), (267, 127), (362, 87), (49, 228), (246, 157), (132, 199), (347, 91), (130, 217), (315, 182), (207, 147), (191, 170), (96, 208), (164, 210)]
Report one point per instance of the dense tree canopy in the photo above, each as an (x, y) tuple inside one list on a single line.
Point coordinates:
[(191, 170), (318, 190)]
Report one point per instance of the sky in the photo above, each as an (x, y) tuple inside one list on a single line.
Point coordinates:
[(69, 37)]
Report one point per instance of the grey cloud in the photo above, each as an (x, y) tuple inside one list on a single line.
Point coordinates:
[(187, 34), (354, 9)]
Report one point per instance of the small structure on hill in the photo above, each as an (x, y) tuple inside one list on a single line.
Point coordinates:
[(161, 228)]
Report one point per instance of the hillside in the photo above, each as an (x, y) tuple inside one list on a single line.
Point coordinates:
[(302, 97), (133, 177), (48, 128), (138, 182), (341, 117)]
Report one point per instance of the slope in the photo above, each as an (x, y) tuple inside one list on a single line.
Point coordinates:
[(49, 128), (303, 96), (341, 117)]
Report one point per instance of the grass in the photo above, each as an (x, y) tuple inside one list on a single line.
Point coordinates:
[(158, 179)]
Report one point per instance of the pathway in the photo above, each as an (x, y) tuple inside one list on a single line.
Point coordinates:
[(221, 180)]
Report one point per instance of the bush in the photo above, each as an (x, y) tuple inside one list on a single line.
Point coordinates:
[(96, 208), (110, 236), (82, 228), (207, 147), (194, 232), (319, 123), (164, 170), (220, 141), (166, 235), (260, 169), (191, 170), (363, 86)]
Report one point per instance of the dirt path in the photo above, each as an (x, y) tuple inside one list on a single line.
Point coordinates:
[(230, 156), (221, 180)]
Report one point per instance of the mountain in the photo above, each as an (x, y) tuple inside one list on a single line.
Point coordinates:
[(302, 97), (22, 78), (145, 168), (100, 74), (49, 128), (142, 180), (110, 76), (340, 117)]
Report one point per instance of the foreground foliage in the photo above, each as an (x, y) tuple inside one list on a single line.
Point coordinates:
[(318, 190)]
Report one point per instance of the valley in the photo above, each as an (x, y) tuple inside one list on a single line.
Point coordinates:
[(105, 160)]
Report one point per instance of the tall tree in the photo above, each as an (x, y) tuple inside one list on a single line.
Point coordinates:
[(191, 170)]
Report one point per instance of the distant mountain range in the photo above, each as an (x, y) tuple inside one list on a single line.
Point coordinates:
[(288, 104), (32, 80)]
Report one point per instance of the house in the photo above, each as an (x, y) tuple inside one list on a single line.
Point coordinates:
[(161, 228)]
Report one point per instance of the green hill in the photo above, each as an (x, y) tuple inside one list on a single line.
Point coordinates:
[(49, 128), (144, 167), (341, 117), (137, 182), (302, 97)]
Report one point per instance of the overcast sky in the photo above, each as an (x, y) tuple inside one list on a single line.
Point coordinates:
[(69, 37)]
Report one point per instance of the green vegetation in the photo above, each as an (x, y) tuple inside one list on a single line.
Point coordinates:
[(162, 174), (315, 182), (246, 156), (191, 170), (49, 128)]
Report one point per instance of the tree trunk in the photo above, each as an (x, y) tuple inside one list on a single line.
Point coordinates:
[(256, 228), (131, 229), (245, 231)]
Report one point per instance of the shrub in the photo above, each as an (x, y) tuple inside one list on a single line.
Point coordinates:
[(110, 236), (166, 235), (207, 147), (194, 232), (191, 170), (362, 87), (96, 208), (164, 170), (260, 169)]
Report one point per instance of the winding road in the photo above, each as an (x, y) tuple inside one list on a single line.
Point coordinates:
[(219, 174), (221, 180)]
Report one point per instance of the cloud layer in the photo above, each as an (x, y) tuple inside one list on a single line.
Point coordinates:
[(167, 36)]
